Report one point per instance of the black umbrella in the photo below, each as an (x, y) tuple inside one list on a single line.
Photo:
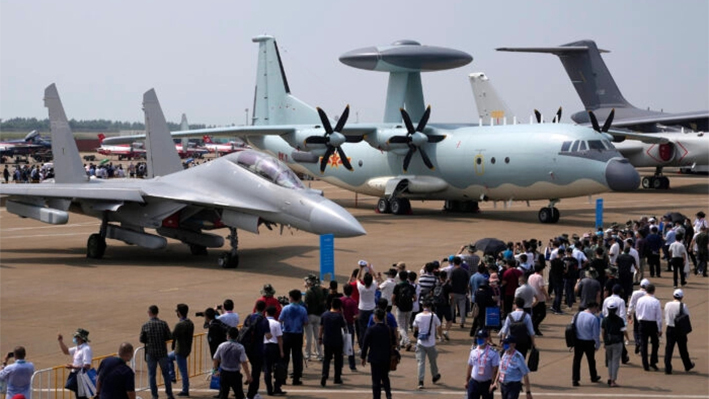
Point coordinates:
[(676, 217), (490, 246)]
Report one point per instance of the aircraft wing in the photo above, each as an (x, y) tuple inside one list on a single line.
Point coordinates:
[(684, 118), (73, 191), (648, 138), (260, 130)]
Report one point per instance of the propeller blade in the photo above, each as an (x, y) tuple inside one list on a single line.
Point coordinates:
[(398, 140), (343, 119), (594, 121), (407, 121), (325, 122), (316, 140), (558, 115), (424, 120), (407, 158), (343, 158), (609, 121), (425, 158), (538, 115), (353, 139), (326, 158)]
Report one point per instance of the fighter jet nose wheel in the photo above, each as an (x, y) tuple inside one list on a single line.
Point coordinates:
[(228, 261), (549, 215), (95, 246)]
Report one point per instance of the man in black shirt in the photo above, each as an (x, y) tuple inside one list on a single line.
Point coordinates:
[(459, 285), (376, 348), (116, 379), (256, 351), (330, 336)]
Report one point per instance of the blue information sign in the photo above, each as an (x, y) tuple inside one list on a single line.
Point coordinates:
[(599, 212), (327, 257)]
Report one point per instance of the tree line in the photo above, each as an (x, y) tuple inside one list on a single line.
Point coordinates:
[(94, 125)]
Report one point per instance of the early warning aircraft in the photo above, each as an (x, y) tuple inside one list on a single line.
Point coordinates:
[(399, 162), (238, 191), (686, 145)]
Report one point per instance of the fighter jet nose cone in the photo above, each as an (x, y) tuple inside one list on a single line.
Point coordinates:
[(621, 175), (330, 218)]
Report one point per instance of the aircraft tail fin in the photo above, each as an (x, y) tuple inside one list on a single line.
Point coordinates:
[(273, 102), (207, 139), (491, 107), (68, 167), (101, 136), (160, 152), (588, 73), (183, 124)]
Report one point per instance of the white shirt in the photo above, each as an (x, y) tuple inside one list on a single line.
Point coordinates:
[(276, 331), (580, 256), (82, 355), (634, 300), (422, 321), (634, 253), (614, 252), (387, 289), (229, 318), (649, 309), (620, 305), (366, 296), (677, 250), (416, 307), (672, 310)]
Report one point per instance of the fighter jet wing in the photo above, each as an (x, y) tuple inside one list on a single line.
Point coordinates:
[(265, 130), (684, 118), (94, 191)]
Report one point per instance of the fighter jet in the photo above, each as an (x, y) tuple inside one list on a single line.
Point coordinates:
[(685, 144), (399, 161), (240, 191), (32, 143)]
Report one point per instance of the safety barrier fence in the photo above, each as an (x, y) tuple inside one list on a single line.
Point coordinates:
[(49, 383)]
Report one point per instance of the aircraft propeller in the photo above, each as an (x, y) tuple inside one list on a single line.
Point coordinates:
[(606, 124), (557, 119), (414, 138), (333, 139)]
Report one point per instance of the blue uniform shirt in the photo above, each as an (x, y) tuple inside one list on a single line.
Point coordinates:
[(293, 317), (483, 361), (512, 367)]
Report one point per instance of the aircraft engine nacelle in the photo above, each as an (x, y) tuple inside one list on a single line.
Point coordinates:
[(662, 153), (299, 140), (381, 140), (44, 215)]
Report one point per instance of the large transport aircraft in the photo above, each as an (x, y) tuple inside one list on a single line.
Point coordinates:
[(600, 94), (400, 162), (240, 191)]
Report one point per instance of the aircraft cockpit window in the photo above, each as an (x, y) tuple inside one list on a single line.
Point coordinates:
[(582, 146), (608, 144), (596, 145), (565, 146), (268, 168), (575, 146)]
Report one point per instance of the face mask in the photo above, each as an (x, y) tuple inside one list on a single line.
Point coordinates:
[(505, 346), (481, 341), (75, 341)]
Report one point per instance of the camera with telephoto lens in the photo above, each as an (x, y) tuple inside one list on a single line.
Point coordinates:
[(199, 314)]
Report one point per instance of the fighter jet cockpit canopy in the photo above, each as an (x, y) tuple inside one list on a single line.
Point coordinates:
[(268, 168)]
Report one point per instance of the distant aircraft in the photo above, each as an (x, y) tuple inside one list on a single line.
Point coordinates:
[(223, 148), (32, 143), (400, 162), (242, 190), (123, 151), (600, 94)]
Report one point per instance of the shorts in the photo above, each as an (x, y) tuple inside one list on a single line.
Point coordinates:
[(444, 311)]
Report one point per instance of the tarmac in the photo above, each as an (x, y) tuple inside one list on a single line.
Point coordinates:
[(48, 286)]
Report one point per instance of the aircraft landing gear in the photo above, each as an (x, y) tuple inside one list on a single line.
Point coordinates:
[(230, 259), (549, 214), (198, 250), (656, 181), (383, 206), (95, 246), (397, 206)]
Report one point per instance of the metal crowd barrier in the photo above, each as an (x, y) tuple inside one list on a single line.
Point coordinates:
[(49, 383)]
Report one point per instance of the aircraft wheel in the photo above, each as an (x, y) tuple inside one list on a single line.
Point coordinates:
[(664, 183), (95, 246), (399, 206), (383, 206), (198, 250), (407, 205), (545, 215), (647, 182), (555, 214), (228, 261), (657, 183)]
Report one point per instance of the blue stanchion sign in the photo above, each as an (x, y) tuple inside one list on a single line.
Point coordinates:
[(327, 257), (599, 212)]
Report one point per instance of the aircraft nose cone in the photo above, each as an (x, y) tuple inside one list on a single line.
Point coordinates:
[(330, 218), (621, 175)]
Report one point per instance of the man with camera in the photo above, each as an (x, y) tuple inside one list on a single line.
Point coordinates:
[(426, 325), (18, 375)]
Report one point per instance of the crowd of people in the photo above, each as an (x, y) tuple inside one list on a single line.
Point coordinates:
[(378, 314)]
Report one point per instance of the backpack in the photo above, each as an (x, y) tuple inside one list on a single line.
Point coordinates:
[(570, 333), (439, 297), (247, 334), (405, 299), (518, 329)]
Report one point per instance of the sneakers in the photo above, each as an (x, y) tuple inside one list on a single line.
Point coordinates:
[(420, 384), (596, 379), (408, 347), (297, 382), (436, 378), (323, 381), (690, 367), (184, 394), (445, 335)]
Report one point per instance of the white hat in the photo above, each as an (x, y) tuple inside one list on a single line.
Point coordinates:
[(612, 305), (652, 220), (644, 283), (362, 262), (678, 293)]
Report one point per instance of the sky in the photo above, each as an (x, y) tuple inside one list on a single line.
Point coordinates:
[(103, 55)]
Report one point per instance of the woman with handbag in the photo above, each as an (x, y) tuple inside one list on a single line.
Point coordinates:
[(678, 326), (82, 357), (614, 331)]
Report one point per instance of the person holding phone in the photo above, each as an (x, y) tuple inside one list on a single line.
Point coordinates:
[(18, 375)]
